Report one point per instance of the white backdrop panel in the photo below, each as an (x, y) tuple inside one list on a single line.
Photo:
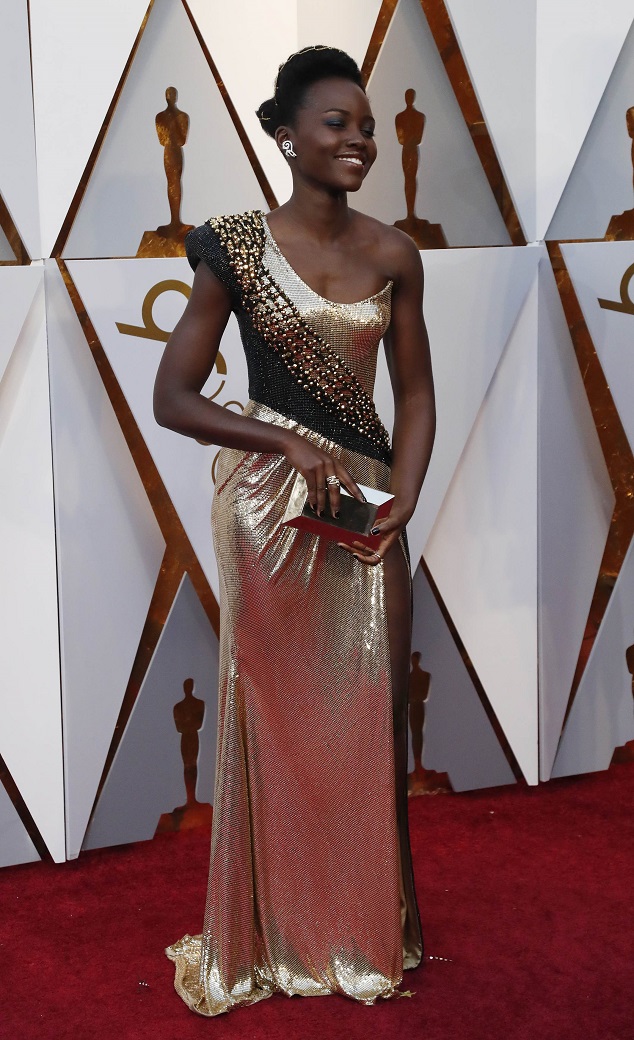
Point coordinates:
[(127, 192), (248, 41), (602, 713), (15, 844), (18, 286), (597, 270), (578, 43), (109, 554), (113, 291), (458, 737), (600, 184), (482, 551), (498, 40), (79, 53), (6, 252), (18, 174), (575, 500), (347, 24), (31, 735), (146, 776), (467, 333), (452, 187)]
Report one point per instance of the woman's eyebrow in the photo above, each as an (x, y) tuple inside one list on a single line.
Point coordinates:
[(345, 112)]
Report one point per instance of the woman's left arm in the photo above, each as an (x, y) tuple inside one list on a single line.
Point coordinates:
[(409, 363)]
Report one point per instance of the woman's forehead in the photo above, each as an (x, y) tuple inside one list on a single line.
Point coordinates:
[(337, 94)]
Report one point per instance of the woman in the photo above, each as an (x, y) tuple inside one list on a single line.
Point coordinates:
[(310, 886)]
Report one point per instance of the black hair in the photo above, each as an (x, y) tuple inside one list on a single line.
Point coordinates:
[(297, 75)]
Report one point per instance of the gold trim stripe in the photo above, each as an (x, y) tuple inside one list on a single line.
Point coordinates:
[(265, 187), (13, 237), (167, 517), (381, 26), (179, 557), (80, 191), (615, 446), (473, 675), (22, 810), (446, 41)]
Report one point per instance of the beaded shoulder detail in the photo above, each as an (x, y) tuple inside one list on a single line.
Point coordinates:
[(312, 362)]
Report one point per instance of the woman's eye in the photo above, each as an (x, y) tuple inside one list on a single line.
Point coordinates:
[(369, 132), (334, 122)]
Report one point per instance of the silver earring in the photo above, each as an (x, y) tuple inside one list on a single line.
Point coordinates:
[(287, 148)]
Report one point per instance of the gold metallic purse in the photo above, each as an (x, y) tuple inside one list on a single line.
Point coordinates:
[(354, 523)]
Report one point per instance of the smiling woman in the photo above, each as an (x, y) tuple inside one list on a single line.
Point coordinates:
[(310, 886)]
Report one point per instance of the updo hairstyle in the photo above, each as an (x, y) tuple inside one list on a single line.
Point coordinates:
[(297, 75)]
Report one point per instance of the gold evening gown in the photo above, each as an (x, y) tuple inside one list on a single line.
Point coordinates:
[(310, 885)]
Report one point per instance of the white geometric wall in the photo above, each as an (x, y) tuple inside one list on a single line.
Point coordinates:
[(107, 574)]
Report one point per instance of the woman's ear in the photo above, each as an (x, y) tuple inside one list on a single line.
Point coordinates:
[(283, 139)]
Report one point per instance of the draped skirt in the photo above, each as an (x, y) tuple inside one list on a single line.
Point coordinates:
[(310, 885)]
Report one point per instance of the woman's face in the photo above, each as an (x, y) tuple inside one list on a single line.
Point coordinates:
[(333, 135)]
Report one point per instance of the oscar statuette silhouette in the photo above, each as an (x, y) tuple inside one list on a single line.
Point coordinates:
[(189, 715), (172, 127), (421, 780), (410, 127)]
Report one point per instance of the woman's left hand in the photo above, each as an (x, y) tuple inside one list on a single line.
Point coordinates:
[(390, 530)]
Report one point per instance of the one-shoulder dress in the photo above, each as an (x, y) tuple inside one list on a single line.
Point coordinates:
[(310, 885)]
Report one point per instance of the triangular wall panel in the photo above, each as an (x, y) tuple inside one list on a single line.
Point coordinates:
[(127, 192), (79, 53), (113, 292), (146, 776), (109, 554), (602, 714), (467, 338), (18, 173), (482, 552), (452, 187), (458, 736), (600, 184), (605, 290), (571, 79), (18, 286), (501, 63), (30, 704), (575, 502), (15, 844), (248, 43)]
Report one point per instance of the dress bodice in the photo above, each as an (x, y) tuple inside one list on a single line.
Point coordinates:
[(309, 358), (353, 330)]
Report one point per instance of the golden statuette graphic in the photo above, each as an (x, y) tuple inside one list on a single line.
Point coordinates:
[(172, 127), (189, 715), (421, 780), (621, 226), (410, 127)]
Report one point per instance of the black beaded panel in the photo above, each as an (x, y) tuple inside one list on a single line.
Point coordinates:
[(291, 369)]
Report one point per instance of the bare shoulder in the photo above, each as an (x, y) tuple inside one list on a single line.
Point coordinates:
[(399, 254)]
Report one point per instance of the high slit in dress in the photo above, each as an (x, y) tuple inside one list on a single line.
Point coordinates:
[(310, 884)]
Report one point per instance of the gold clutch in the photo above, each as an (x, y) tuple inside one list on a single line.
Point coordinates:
[(354, 523)]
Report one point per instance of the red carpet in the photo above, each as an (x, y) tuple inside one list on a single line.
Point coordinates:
[(526, 900)]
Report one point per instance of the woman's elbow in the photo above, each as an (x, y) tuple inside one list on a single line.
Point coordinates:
[(163, 407)]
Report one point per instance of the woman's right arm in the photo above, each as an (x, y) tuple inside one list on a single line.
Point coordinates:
[(187, 361)]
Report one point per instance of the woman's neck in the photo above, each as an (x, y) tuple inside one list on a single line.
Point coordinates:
[(323, 216)]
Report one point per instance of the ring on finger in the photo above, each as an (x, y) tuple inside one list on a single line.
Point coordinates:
[(333, 480)]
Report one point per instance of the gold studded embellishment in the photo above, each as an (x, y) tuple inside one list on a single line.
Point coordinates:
[(314, 364)]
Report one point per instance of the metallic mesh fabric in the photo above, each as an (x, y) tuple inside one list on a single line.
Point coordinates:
[(306, 888)]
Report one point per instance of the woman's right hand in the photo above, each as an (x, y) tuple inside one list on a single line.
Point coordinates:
[(316, 466)]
